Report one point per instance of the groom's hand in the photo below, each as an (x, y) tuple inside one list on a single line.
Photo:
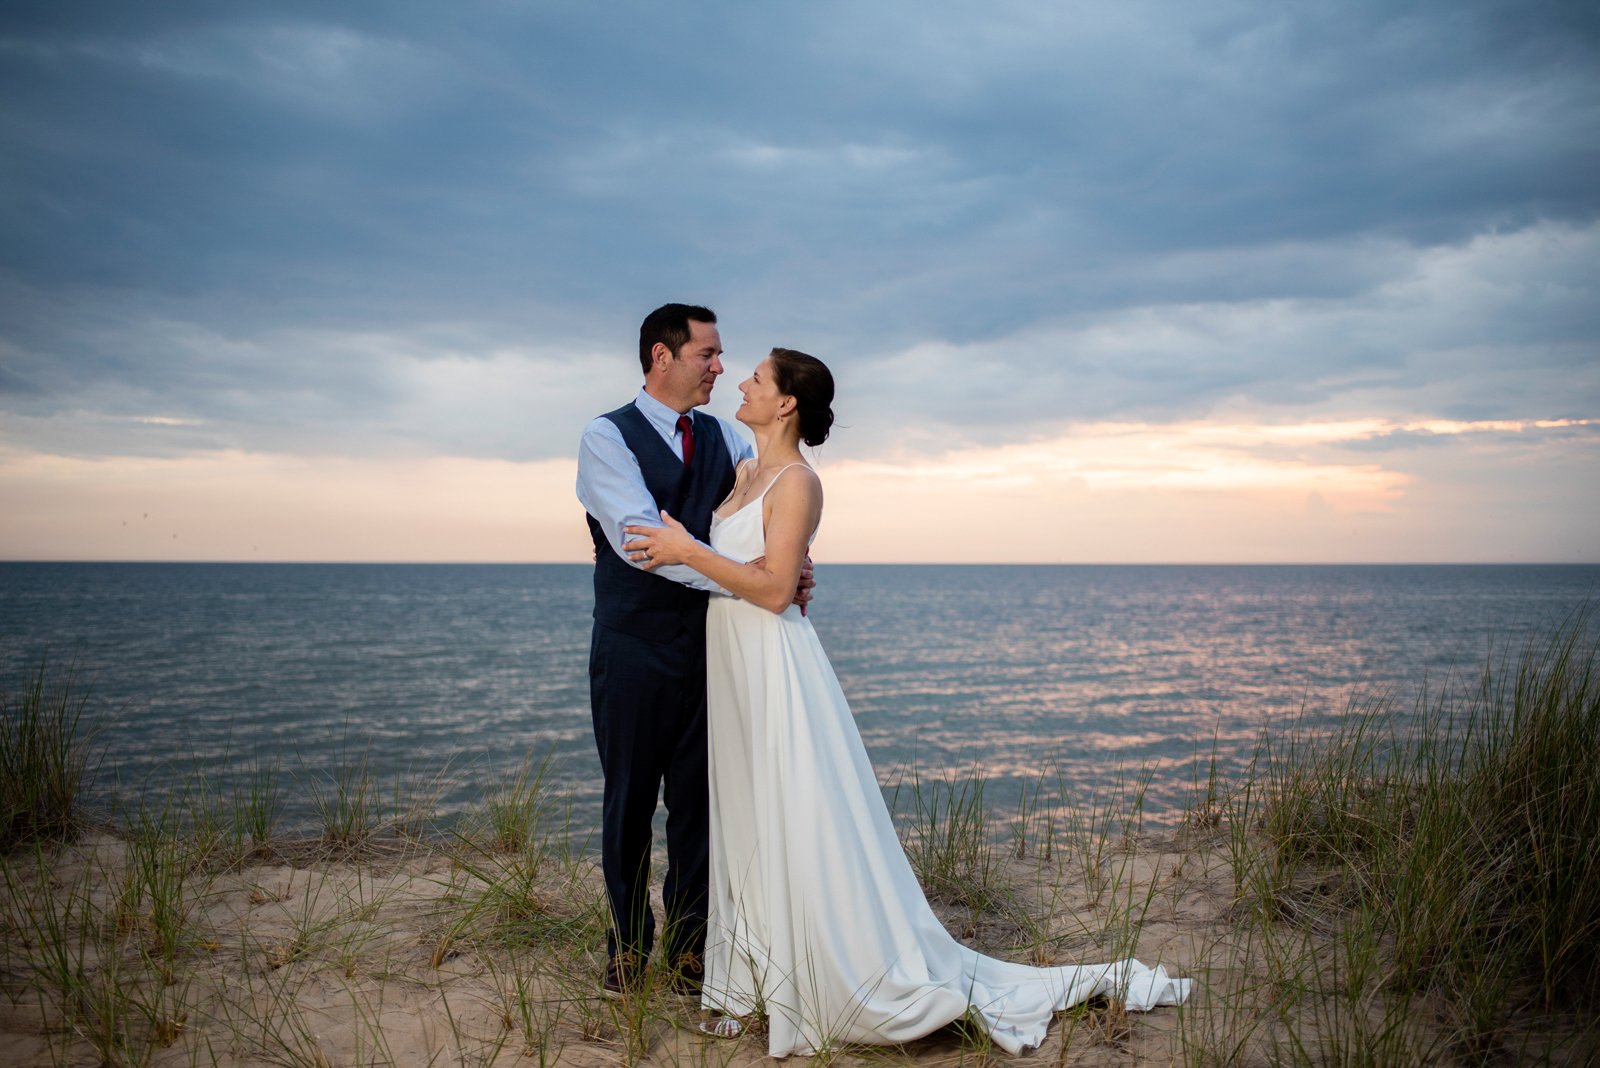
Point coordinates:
[(802, 592)]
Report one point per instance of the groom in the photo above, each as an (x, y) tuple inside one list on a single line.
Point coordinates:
[(647, 658)]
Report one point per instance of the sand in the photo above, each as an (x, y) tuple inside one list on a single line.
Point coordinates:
[(449, 955)]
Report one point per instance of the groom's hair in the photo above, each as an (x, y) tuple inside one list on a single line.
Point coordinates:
[(669, 324)]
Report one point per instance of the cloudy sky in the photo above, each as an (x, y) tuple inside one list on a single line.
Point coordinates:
[(1112, 281)]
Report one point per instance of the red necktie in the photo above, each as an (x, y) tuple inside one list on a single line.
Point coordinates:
[(688, 439)]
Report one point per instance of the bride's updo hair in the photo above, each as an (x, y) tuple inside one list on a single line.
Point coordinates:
[(808, 380)]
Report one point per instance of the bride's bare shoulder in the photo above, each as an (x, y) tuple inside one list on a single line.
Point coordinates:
[(798, 483), (803, 473)]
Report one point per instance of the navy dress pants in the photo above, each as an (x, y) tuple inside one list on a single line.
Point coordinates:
[(649, 705)]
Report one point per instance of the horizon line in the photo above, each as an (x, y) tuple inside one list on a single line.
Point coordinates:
[(835, 563)]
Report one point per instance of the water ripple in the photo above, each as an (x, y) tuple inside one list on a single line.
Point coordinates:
[(1072, 673)]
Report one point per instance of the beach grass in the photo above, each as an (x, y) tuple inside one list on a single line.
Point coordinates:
[(46, 750), (1400, 885), (949, 839), (1433, 863)]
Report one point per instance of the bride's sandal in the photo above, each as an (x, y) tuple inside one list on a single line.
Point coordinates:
[(722, 1027)]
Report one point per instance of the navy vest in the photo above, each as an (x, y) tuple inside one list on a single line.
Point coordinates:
[(636, 602)]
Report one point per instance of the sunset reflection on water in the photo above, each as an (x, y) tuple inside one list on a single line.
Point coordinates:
[(1068, 674), (1066, 678)]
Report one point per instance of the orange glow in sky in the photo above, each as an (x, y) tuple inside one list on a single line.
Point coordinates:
[(1107, 492)]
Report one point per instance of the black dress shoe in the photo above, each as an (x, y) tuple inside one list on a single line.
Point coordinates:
[(688, 972), (624, 976)]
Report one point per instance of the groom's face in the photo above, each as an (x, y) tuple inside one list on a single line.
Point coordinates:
[(694, 370)]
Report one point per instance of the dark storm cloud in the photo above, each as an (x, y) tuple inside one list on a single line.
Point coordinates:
[(264, 217)]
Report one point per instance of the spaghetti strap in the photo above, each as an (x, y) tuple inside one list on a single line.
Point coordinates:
[(719, 516), (779, 475)]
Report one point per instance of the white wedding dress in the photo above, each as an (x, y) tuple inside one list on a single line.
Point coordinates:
[(816, 917)]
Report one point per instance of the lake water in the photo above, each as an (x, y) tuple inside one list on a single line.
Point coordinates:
[(1067, 671)]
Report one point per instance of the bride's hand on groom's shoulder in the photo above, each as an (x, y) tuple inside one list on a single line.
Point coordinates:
[(652, 547)]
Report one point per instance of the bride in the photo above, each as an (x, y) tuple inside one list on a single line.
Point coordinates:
[(816, 918)]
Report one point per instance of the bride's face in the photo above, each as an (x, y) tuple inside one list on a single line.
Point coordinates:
[(762, 402)]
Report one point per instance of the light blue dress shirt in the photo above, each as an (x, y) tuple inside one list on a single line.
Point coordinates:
[(611, 486)]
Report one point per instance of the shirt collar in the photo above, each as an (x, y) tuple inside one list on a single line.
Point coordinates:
[(661, 417)]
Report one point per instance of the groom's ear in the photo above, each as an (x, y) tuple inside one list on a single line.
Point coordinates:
[(660, 353)]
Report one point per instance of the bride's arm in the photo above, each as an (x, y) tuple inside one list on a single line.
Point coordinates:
[(790, 512)]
